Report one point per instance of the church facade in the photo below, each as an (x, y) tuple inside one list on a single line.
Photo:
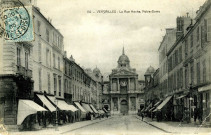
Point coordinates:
[(124, 93)]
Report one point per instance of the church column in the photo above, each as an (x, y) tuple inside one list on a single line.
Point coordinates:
[(118, 88), (136, 83), (111, 84)]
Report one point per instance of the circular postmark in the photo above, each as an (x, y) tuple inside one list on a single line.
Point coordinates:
[(16, 22)]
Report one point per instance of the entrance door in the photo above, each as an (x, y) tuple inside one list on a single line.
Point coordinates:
[(124, 107)]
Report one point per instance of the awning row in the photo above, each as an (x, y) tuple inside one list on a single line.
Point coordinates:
[(28, 107), (163, 103), (158, 106), (62, 105)]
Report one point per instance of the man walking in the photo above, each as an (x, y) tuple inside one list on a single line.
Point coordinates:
[(142, 116)]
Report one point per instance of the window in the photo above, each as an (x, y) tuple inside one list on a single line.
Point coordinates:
[(181, 77), (54, 61), (191, 40), (39, 51), (205, 29), (197, 33), (60, 85), (209, 29), (202, 36), (65, 85), (176, 57), (180, 54), (47, 35), (55, 84), (49, 83), (178, 79), (58, 44), (18, 56), (38, 26), (40, 81), (198, 72), (59, 63), (204, 71), (170, 63), (27, 60), (186, 77), (192, 73), (186, 48), (47, 57)]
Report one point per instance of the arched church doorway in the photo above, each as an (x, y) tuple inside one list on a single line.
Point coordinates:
[(124, 107)]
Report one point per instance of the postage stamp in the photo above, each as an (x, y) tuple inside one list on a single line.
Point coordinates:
[(18, 24)]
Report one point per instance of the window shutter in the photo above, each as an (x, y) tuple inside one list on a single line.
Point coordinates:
[(209, 29), (202, 36)]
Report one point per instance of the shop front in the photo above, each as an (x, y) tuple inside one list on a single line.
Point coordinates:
[(26, 115), (65, 112), (205, 95), (82, 112), (165, 109)]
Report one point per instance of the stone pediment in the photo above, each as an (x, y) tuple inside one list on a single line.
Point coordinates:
[(123, 72)]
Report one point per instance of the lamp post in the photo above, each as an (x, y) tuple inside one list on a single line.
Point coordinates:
[(190, 102), (56, 102)]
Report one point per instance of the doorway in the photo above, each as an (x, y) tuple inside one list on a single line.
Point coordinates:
[(124, 107)]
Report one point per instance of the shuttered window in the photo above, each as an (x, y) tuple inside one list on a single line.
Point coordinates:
[(209, 29)]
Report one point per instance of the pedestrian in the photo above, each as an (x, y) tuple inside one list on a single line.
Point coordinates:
[(195, 114), (142, 116)]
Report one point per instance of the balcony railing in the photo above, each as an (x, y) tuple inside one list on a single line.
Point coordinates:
[(23, 71)]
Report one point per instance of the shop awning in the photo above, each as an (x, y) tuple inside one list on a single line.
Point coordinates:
[(150, 105), (105, 110), (80, 107), (101, 111), (152, 109), (62, 105), (163, 103), (26, 108), (182, 96), (204, 88), (87, 107), (73, 108), (93, 108), (158, 103), (46, 102)]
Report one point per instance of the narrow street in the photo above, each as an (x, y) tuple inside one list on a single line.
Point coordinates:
[(118, 124)]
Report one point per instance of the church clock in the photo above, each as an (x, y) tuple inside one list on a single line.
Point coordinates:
[(123, 83)]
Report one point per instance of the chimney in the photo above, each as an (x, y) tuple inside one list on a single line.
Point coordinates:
[(187, 14)]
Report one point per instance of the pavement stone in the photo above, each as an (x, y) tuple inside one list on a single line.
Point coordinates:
[(177, 127), (61, 129)]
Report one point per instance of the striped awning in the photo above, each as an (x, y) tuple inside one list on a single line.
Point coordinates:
[(46, 102)]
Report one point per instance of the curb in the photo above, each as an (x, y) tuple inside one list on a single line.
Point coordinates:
[(154, 126), (85, 126)]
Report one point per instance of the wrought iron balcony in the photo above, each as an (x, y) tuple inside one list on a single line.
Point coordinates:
[(23, 71)]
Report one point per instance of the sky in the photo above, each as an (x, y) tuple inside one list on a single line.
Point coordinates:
[(96, 39)]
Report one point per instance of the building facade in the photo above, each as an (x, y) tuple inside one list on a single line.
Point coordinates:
[(188, 67), (123, 91), (48, 51)]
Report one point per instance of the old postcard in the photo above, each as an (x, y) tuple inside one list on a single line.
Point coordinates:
[(101, 67)]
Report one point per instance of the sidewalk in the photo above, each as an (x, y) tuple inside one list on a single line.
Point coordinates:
[(62, 129), (177, 127)]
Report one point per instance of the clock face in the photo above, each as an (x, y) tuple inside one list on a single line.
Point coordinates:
[(123, 83)]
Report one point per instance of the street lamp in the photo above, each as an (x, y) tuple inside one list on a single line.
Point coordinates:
[(56, 102)]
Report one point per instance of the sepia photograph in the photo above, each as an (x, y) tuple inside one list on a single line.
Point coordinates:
[(105, 67)]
